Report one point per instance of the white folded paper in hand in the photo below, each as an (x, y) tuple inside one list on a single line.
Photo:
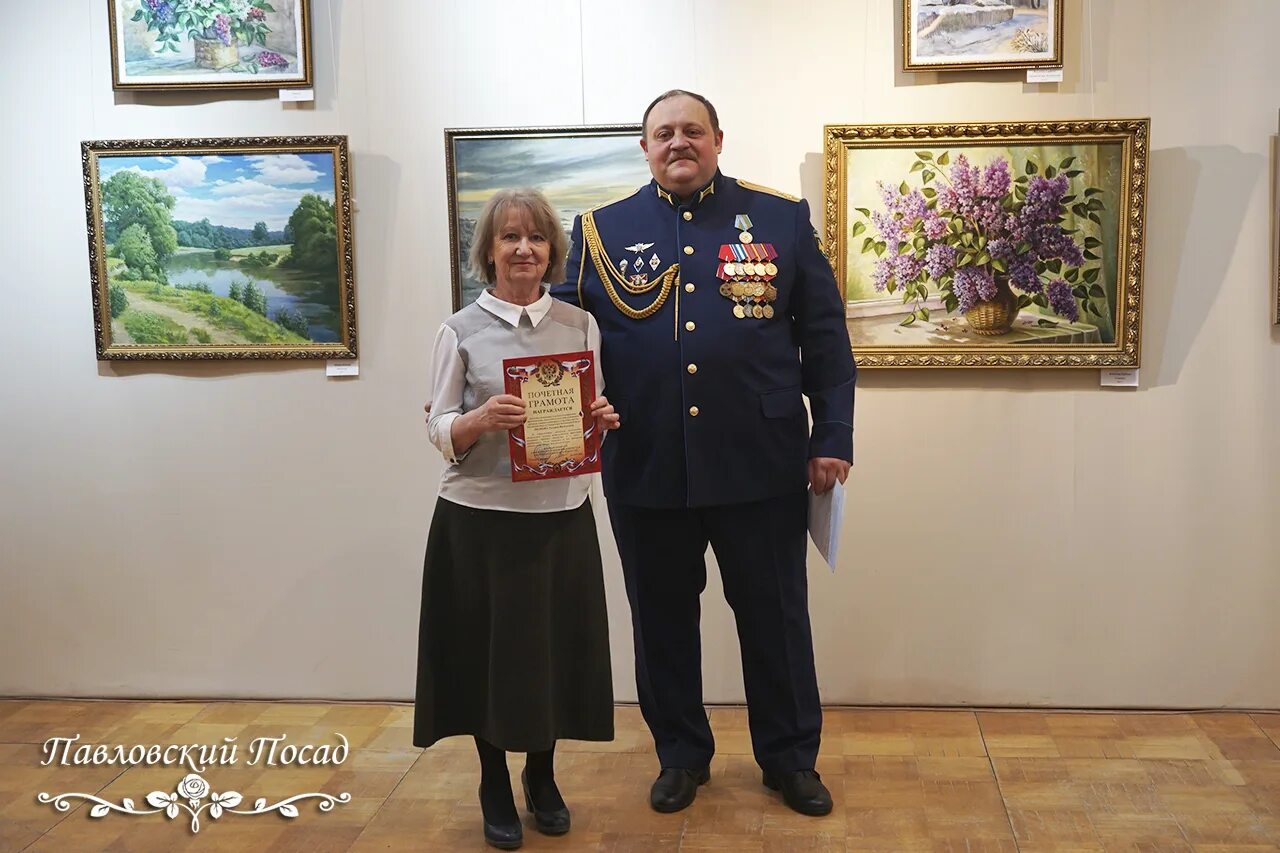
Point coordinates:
[(825, 513)]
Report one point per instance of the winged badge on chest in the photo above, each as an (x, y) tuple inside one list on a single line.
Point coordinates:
[(633, 267)]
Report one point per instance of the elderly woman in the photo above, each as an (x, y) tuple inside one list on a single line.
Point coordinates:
[(513, 645)]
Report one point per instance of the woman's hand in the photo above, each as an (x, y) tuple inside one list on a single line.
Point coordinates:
[(605, 416), (499, 412)]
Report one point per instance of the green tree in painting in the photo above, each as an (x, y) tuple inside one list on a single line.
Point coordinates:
[(294, 321), (135, 249), (315, 234), (119, 301), (254, 299), (260, 234), (129, 198)]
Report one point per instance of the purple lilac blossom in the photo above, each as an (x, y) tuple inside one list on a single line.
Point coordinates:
[(934, 226), (970, 285), (906, 269), (913, 207), (162, 10), (967, 193), (995, 179), (883, 273), (890, 229), (986, 285), (1062, 301), (222, 28), (1022, 275), (940, 260), (1001, 249), (271, 59), (1044, 200), (1050, 242), (964, 179)]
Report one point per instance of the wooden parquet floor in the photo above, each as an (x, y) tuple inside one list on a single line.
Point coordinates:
[(904, 781)]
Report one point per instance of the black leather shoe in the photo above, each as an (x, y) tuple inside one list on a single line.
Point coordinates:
[(802, 790), (548, 821), (502, 835), (675, 788)]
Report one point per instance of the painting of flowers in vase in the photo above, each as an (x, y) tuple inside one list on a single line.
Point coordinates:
[(989, 245), (210, 44)]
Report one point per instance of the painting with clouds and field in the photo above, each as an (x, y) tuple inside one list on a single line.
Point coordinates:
[(981, 34), (221, 248), (578, 168)]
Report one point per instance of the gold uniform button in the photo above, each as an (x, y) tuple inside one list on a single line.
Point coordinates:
[(689, 288), (690, 326), (688, 250), (693, 368), (687, 216), (693, 411)]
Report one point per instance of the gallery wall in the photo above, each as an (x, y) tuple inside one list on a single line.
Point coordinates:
[(1011, 538)]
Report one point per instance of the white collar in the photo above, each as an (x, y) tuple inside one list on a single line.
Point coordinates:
[(510, 313)]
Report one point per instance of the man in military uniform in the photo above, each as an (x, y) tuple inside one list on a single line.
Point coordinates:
[(717, 310)]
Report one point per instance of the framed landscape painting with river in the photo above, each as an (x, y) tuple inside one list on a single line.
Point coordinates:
[(221, 248), (989, 245)]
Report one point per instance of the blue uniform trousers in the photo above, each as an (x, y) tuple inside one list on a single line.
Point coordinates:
[(760, 547)]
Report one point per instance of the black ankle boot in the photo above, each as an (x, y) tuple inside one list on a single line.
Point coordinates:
[(549, 821)]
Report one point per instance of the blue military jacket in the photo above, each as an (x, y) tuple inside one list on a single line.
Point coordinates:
[(706, 363)]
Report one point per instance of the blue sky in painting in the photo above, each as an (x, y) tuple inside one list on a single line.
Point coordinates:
[(233, 189), (577, 172)]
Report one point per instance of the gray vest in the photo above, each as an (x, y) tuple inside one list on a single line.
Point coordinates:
[(483, 342)]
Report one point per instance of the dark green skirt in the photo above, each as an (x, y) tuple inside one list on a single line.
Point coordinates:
[(513, 643)]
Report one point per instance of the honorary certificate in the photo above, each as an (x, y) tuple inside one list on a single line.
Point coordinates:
[(559, 436)]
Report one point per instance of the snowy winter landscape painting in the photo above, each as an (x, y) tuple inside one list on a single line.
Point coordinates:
[(980, 34)]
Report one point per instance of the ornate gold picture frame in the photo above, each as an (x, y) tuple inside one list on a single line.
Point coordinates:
[(989, 245), (221, 248)]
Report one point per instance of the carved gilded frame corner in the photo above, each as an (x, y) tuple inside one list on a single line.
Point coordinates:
[(1133, 137), (1053, 60), (91, 154)]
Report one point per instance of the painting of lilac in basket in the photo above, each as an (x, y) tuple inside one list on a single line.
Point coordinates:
[(989, 245), (941, 35), (210, 44)]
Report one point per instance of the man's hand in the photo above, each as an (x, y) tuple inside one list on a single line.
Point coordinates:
[(824, 471), (606, 418), (427, 409)]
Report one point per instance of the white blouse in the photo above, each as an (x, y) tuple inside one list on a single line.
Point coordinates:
[(448, 379)]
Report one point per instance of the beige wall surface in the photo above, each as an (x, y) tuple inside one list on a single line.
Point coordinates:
[(1021, 538)]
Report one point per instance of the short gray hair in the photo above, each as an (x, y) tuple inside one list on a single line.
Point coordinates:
[(545, 219)]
